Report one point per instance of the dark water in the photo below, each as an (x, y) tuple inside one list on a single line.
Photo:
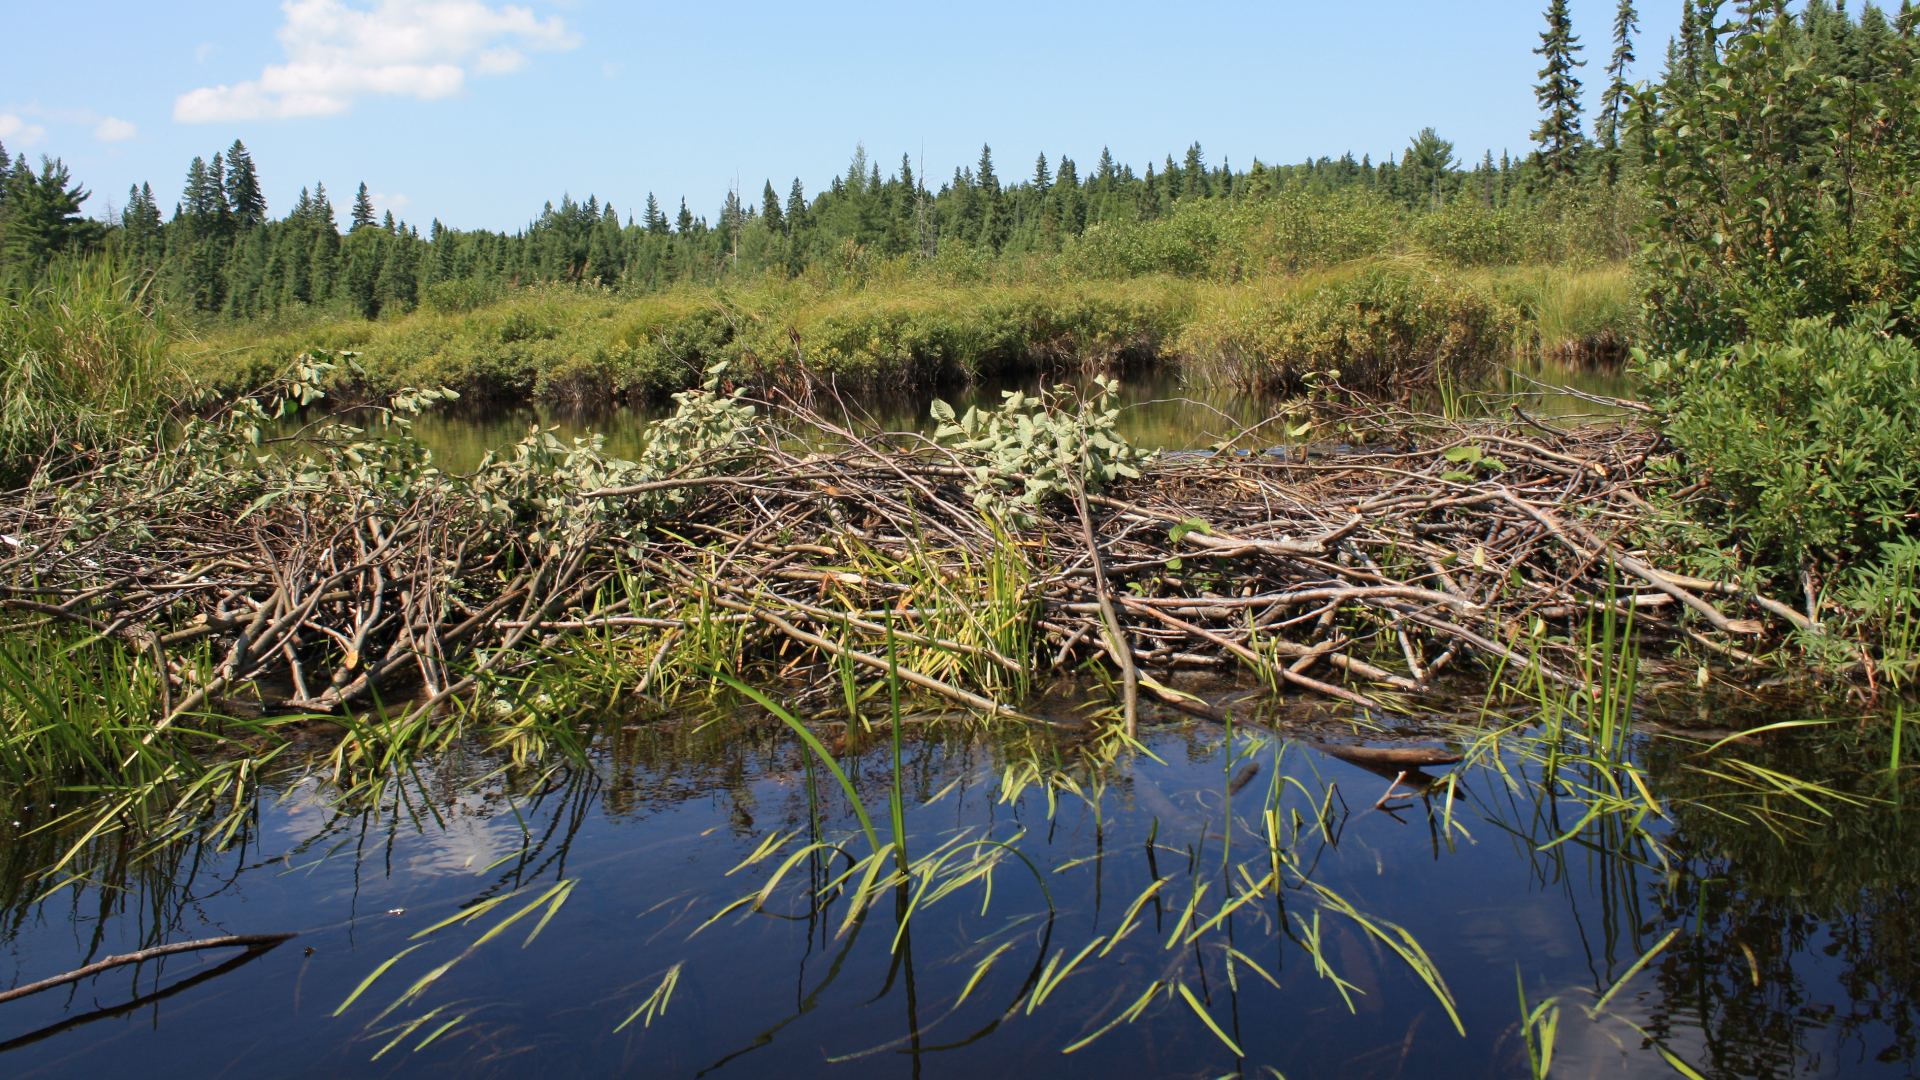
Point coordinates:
[(1795, 952), (1162, 409)]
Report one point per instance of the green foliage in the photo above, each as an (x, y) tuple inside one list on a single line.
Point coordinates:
[(1559, 95), (1811, 440), (1035, 448), (40, 220), (80, 360), (1780, 183), (1381, 326)]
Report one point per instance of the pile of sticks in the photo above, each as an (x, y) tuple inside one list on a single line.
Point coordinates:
[(1359, 574)]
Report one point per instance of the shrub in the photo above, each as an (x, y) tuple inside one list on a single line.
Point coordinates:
[(1810, 441)]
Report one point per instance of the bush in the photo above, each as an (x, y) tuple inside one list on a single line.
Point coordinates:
[(1810, 441), (1380, 327)]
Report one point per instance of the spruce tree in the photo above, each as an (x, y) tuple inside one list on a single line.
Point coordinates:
[(770, 209), (1625, 21), (796, 207), (1904, 23), (684, 223), (362, 208), (323, 208), (1559, 94), (656, 218), (243, 187), (1193, 175), (1042, 179), (217, 187)]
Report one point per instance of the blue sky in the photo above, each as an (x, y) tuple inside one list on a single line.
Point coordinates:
[(479, 112)]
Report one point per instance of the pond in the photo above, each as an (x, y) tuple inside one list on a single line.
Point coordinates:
[(1213, 901), (1162, 409)]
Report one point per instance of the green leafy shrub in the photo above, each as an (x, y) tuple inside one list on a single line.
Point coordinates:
[(1780, 188), (1032, 449), (1811, 441)]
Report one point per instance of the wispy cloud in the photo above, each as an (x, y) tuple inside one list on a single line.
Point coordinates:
[(114, 129), (407, 48), (21, 132)]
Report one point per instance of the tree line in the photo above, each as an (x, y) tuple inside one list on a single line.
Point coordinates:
[(220, 251)]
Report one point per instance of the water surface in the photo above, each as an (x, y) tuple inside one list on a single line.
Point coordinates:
[(1794, 953)]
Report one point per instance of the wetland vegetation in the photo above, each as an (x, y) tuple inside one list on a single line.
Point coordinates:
[(1422, 713)]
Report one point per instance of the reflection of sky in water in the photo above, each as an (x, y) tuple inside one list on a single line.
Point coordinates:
[(1163, 410), (654, 842)]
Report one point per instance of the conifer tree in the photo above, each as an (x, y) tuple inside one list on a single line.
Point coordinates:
[(1193, 175), (1688, 68), (43, 218), (1559, 94), (1903, 23), (770, 209), (217, 187), (655, 218), (1103, 175), (684, 223), (202, 199), (362, 208), (983, 176), (323, 208), (1625, 22), (796, 207), (249, 206), (1042, 179)]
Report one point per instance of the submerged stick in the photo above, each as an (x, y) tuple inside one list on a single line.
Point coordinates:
[(251, 941)]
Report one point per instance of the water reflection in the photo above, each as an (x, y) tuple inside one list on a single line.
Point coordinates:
[(1794, 950), (1164, 409)]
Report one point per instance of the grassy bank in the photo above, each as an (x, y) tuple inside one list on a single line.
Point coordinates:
[(1384, 323)]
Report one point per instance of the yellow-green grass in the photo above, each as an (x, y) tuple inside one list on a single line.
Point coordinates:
[(1383, 322)]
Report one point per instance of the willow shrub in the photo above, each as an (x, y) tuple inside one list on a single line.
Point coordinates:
[(1379, 327)]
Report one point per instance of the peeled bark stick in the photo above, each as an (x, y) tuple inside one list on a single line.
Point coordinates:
[(1116, 633), (1723, 589), (1631, 565), (1397, 756), (251, 941), (1254, 658)]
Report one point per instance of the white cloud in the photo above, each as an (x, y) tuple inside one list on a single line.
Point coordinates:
[(206, 49), (407, 48), (113, 129), (395, 203), (611, 69), (21, 132)]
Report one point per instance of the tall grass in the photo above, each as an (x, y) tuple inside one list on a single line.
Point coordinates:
[(1383, 321), (81, 358)]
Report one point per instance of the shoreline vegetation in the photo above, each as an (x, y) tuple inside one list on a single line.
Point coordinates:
[(183, 576), (1388, 326)]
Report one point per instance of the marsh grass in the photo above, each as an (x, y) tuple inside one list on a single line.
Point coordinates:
[(1383, 320), (82, 359)]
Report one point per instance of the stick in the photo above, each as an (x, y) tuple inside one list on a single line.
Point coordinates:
[(251, 941)]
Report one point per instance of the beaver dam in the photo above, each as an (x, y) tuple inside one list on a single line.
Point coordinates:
[(795, 746)]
